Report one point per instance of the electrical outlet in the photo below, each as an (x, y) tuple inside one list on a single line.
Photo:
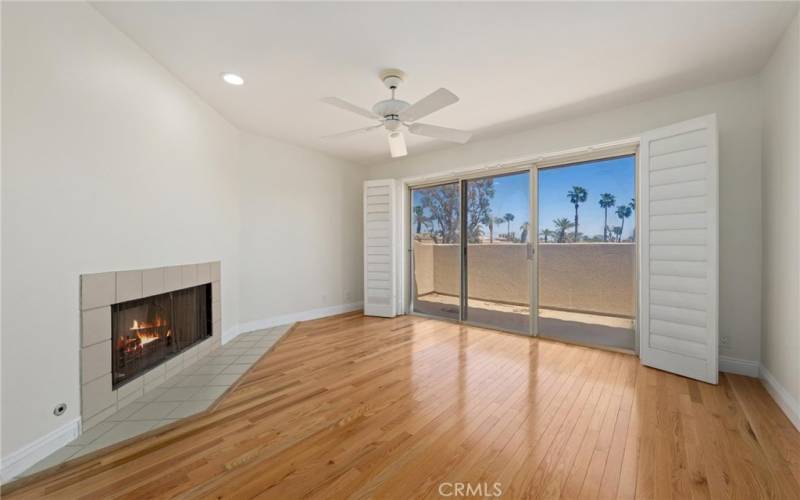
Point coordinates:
[(724, 341)]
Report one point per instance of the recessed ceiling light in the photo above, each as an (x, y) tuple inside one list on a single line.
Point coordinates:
[(233, 78)]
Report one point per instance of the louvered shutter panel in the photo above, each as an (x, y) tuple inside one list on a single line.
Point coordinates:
[(379, 248), (678, 290)]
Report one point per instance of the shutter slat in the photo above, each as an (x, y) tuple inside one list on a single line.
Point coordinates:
[(379, 248), (678, 292)]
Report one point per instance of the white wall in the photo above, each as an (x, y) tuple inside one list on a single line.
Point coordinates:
[(109, 163), (301, 250), (780, 86), (737, 105)]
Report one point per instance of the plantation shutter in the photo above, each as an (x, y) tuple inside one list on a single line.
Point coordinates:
[(678, 210), (379, 248)]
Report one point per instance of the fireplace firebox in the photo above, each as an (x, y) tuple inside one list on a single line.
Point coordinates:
[(147, 332)]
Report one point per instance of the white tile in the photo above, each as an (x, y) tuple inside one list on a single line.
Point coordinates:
[(154, 281), (206, 369), (173, 278), (153, 394), (91, 422), (129, 285), (126, 412), (121, 432), (131, 398), (224, 380), (203, 273), (95, 361), (93, 433), (95, 325), (195, 380), (132, 387), (55, 458), (236, 369), (248, 358), (97, 396), (208, 393), (221, 359), (188, 408), (154, 411), (98, 290), (178, 394), (189, 275)]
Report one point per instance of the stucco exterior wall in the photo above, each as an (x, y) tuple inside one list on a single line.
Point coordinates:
[(587, 277)]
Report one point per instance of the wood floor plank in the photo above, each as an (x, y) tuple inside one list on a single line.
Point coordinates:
[(358, 407)]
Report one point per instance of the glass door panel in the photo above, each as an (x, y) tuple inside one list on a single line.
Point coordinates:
[(587, 252), (497, 233), (436, 250)]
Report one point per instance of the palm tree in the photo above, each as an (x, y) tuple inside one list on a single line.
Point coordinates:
[(499, 220), (617, 230), (623, 212), (562, 225), (419, 217), (632, 204), (508, 218), (606, 200), (523, 232), (577, 196), (547, 233)]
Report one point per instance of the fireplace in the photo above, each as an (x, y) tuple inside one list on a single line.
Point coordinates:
[(147, 332)]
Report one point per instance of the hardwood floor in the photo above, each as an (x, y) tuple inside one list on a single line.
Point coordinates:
[(361, 407)]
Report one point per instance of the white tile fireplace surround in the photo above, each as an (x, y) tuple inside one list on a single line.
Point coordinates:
[(98, 293)]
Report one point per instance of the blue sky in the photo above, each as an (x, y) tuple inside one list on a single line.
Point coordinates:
[(615, 176)]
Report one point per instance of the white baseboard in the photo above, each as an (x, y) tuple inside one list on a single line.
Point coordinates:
[(787, 403), (22, 459), (739, 366), (285, 319)]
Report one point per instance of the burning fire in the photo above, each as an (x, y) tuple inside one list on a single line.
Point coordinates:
[(145, 333)]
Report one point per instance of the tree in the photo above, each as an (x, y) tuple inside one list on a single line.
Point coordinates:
[(523, 235), (508, 218), (606, 200), (577, 196), (617, 230), (562, 225), (488, 221), (499, 221), (479, 198), (547, 234), (623, 212), (632, 204), (443, 205), (419, 217)]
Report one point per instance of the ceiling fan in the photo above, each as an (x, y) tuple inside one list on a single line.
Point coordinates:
[(393, 114)]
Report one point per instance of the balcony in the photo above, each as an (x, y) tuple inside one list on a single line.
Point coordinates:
[(586, 290)]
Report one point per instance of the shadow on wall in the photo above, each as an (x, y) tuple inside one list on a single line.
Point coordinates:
[(585, 277)]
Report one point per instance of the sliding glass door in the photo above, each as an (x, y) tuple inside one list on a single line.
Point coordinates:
[(548, 250), (587, 252), (436, 250), (497, 253)]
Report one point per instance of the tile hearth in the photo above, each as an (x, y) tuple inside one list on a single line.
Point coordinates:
[(190, 391)]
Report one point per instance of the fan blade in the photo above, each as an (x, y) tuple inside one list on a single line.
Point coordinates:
[(447, 134), (340, 103), (427, 105), (349, 133), (397, 145)]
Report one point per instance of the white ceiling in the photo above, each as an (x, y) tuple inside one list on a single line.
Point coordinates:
[(513, 64)]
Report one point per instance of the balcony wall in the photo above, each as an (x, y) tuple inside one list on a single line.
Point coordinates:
[(586, 277)]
